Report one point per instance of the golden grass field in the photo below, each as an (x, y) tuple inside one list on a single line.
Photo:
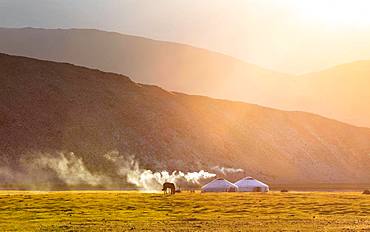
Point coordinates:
[(124, 211)]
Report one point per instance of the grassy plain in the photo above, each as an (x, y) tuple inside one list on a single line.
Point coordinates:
[(131, 211)]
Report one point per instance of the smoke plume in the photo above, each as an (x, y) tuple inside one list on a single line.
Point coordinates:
[(46, 171), (149, 180), (70, 169), (65, 170), (225, 171)]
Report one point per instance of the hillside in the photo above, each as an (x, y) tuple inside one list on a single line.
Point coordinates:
[(50, 108), (172, 66), (339, 93)]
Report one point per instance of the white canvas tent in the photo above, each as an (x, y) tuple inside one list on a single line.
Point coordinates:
[(249, 184), (219, 185)]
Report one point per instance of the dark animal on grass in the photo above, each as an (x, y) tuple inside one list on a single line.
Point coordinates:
[(169, 186), (366, 191), (284, 190)]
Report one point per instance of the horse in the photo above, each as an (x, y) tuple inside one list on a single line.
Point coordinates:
[(168, 185)]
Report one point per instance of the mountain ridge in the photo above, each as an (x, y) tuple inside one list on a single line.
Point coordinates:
[(184, 68), (146, 38), (48, 108)]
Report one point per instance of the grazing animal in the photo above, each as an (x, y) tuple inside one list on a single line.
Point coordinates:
[(168, 185)]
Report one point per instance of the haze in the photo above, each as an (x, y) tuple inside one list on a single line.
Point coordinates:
[(287, 36)]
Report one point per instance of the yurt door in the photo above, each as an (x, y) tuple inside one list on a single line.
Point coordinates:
[(257, 189), (231, 189)]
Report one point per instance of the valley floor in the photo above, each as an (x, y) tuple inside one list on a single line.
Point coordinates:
[(123, 211)]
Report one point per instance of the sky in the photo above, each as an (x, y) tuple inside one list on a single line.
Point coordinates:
[(291, 36)]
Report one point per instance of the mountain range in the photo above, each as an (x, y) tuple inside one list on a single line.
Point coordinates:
[(49, 108), (340, 93)]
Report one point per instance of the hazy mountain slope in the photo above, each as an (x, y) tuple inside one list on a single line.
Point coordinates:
[(172, 66), (340, 93), (48, 107)]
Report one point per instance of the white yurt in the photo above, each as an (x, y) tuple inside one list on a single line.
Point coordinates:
[(249, 184), (220, 185)]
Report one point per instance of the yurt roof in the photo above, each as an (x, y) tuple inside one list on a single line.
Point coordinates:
[(219, 183), (249, 181)]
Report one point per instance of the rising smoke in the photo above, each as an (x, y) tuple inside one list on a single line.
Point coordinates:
[(70, 169), (47, 171), (149, 180), (226, 171)]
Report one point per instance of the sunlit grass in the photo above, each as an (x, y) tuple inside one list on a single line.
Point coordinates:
[(116, 210)]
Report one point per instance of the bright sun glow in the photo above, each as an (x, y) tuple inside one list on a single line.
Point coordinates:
[(334, 12)]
